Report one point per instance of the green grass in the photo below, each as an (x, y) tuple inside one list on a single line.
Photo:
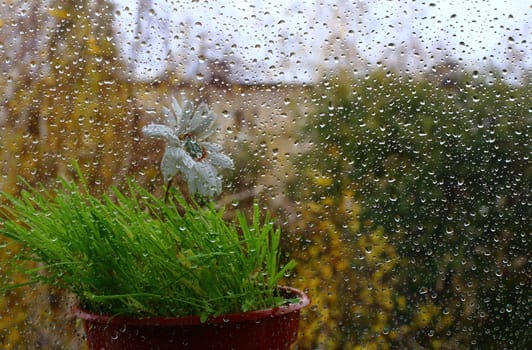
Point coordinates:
[(131, 253)]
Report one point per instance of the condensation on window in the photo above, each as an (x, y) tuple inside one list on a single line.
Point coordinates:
[(390, 140)]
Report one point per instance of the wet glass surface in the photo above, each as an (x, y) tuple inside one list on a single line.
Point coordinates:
[(391, 140)]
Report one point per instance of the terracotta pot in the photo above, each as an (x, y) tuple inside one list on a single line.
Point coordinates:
[(274, 329)]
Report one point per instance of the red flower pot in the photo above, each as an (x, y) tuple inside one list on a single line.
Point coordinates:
[(269, 329)]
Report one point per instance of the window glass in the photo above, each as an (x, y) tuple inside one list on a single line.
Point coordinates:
[(390, 140)]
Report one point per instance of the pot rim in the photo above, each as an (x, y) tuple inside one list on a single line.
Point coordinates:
[(288, 308)]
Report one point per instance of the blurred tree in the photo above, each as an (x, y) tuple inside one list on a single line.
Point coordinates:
[(66, 97), (70, 101), (423, 194)]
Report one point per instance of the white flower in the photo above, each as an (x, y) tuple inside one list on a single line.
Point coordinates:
[(186, 151)]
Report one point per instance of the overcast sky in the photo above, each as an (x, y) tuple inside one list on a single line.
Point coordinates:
[(295, 40)]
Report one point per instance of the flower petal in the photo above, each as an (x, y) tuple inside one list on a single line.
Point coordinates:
[(211, 147), (186, 117), (160, 131), (202, 122), (220, 160), (198, 162), (176, 107), (171, 117), (186, 159), (190, 176), (169, 166), (207, 182), (175, 159)]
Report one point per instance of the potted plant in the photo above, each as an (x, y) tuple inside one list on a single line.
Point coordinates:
[(160, 273)]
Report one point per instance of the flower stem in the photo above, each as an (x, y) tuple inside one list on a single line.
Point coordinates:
[(168, 189)]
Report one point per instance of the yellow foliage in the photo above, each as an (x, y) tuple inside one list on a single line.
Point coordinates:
[(93, 46), (401, 302), (328, 201), (425, 314), (444, 322), (14, 337), (354, 225), (58, 13), (358, 268), (326, 271), (385, 298), (342, 264), (323, 181), (394, 334), (380, 324), (436, 344)]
